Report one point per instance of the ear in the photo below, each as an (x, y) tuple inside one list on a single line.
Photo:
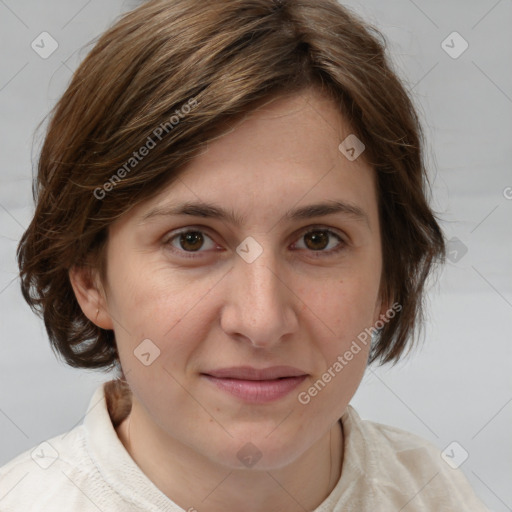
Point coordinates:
[(90, 295)]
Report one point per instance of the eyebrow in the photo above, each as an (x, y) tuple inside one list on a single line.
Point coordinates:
[(209, 210)]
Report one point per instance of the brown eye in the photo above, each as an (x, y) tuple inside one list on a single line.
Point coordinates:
[(188, 242), (323, 241), (316, 240), (191, 240)]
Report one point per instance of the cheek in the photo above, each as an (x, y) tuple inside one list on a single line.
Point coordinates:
[(344, 345), (331, 389), (341, 329), (154, 302), (344, 307), (148, 297)]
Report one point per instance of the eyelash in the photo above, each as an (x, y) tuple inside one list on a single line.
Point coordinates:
[(196, 254)]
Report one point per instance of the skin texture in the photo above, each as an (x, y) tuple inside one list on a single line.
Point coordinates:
[(292, 305)]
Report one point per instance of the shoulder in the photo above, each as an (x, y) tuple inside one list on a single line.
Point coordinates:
[(44, 476), (406, 466), (60, 473)]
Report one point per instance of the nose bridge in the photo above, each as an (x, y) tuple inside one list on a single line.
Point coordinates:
[(260, 305), (261, 282)]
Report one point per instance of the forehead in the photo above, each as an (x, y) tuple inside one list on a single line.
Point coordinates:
[(278, 128), (282, 156)]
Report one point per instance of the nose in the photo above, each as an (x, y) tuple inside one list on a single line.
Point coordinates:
[(260, 306)]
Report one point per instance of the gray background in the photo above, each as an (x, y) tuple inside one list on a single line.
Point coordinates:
[(458, 386)]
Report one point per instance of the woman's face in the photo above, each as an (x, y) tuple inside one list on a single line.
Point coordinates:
[(247, 284)]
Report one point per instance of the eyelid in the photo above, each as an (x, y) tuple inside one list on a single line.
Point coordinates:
[(322, 227), (342, 239), (172, 235), (186, 229), (300, 233)]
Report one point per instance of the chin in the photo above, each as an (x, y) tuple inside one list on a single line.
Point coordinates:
[(264, 455)]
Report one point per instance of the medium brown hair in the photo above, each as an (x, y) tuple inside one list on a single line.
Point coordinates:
[(222, 57)]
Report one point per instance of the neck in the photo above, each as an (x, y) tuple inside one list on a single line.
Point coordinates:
[(192, 480)]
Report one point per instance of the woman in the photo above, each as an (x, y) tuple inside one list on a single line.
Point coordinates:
[(231, 212)]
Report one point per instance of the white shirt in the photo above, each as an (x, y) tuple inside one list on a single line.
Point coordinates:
[(88, 469)]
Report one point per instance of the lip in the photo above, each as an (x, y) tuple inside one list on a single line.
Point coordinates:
[(256, 385), (250, 373)]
